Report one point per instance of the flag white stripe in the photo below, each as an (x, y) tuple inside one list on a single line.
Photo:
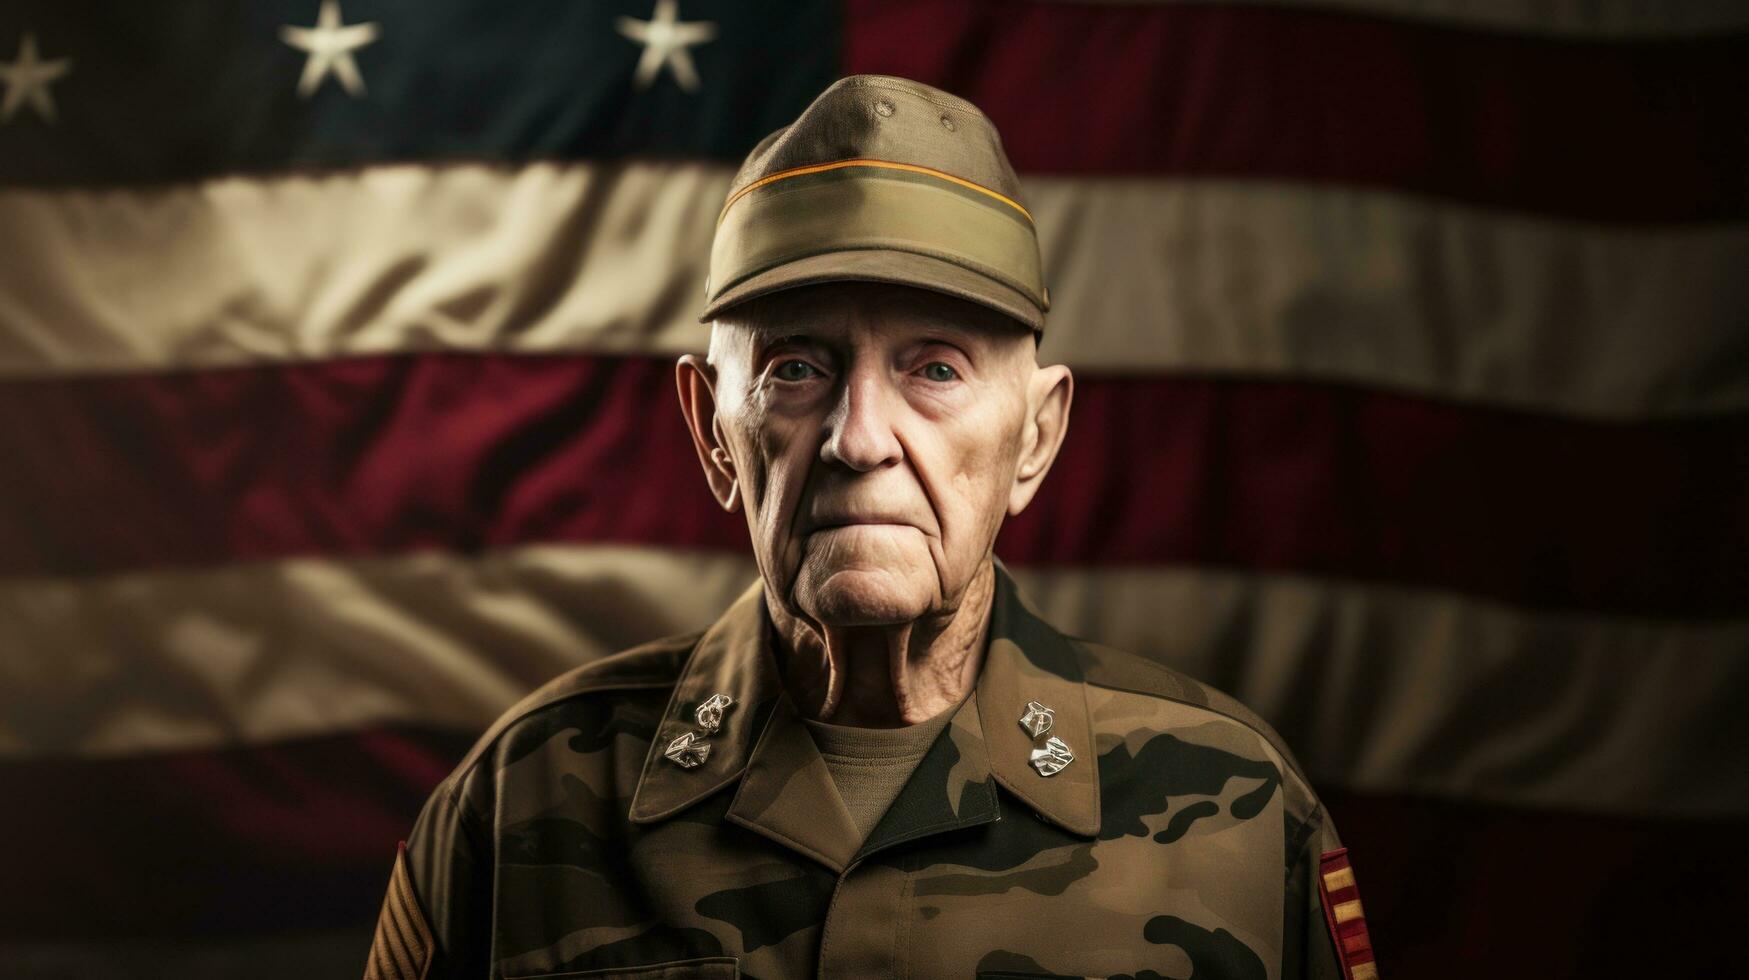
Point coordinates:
[(1399, 690), (1380, 689), (1375, 288), (1252, 278), (186, 659), (538, 259)]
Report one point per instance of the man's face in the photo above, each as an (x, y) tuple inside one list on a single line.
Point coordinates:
[(873, 434)]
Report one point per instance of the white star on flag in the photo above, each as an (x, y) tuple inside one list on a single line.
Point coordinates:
[(330, 45), (27, 80), (665, 38)]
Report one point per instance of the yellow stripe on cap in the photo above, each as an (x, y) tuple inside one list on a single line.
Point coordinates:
[(892, 212), (1347, 911), (863, 162)]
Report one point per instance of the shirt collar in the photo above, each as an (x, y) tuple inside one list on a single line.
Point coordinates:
[(1028, 661), (732, 658), (786, 792)]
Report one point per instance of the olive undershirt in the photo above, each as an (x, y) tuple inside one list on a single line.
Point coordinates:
[(869, 766)]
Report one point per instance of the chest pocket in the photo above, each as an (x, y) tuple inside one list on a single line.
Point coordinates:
[(708, 968)]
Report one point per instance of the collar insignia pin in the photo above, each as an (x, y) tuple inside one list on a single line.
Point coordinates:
[(710, 713), (688, 751), (1051, 759), (1036, 719)]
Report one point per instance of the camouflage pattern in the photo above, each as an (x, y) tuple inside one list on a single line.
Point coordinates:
[(1182, 841)]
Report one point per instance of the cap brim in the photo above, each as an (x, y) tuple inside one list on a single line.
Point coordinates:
[(883, 265)]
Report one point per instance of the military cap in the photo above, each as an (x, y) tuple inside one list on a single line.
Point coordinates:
[(886, 180)]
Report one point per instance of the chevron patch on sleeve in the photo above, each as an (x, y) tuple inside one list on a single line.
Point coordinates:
[(401, 949)]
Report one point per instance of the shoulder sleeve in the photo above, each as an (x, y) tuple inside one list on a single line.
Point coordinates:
[(1325, 930), (435, 921)]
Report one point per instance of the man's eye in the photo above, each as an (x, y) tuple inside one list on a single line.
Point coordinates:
[(794, 371), (937, 371)]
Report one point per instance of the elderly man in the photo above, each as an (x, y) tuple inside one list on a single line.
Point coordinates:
[(879, 762)]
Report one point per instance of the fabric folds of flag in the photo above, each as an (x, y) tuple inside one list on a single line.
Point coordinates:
[(1412, 409)]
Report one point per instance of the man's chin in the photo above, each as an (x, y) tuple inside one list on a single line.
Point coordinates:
[(864, 596)]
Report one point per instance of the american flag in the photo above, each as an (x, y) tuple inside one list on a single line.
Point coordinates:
[(336, 341)]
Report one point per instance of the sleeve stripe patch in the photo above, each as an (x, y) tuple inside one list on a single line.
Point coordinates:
[(1340, 894), (401, 949), (1335, 881)]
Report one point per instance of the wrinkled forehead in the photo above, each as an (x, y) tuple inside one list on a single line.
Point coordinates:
[(840, 311)]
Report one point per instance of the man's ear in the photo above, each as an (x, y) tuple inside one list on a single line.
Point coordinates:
[(1048, 394), (696, 380)]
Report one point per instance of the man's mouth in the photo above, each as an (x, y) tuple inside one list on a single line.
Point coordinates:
[(836, 525)]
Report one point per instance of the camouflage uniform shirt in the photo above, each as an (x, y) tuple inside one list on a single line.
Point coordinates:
[(1181, 841)]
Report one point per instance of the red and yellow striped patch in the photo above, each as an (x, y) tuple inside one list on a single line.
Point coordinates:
[(1344, 915)]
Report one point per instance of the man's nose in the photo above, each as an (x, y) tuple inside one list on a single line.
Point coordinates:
[(860, 428)]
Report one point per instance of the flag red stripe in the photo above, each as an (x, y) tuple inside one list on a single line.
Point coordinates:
[(280, 837), (1454, 891), (301, 835), (1617, 131), (459, 452), (1354, 482)]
